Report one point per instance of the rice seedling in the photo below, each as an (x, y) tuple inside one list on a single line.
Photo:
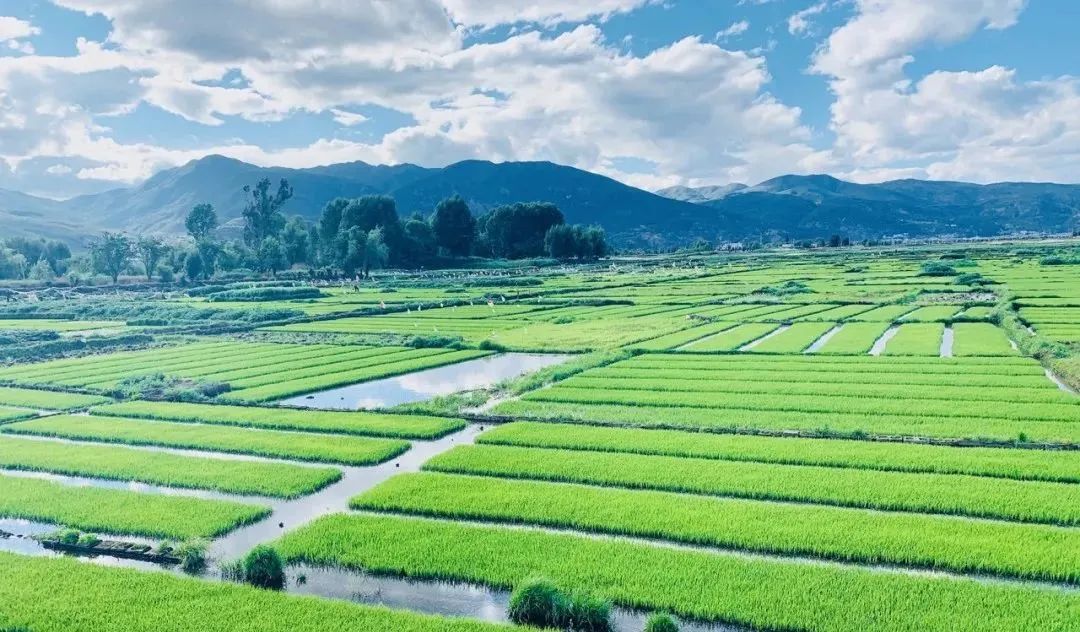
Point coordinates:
[(155, 468), (270, 443), (856, 535), (1027, 501), (358, 423), (48, 594), (1045, 465), (764, 594), (122, 511)]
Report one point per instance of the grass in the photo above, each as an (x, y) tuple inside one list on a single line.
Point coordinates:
[(1027, 501), (980, 339), (268, 443), (821, 403), (46, 400), (660, 382), (939, 542), (794, 339), (14, 414), (731, 339), (810, 423), (122, 511), (919, 339), (1045, 465), (62, 595), (130, 464), (357, 423), (288, 386), (854, 338), (763, 594)]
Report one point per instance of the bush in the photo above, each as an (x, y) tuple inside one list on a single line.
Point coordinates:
[(936, 268), (68, 536), (267, 294), (589, 614), (263, 567), (89, 540), (159, 387), (192, 556), (540, 603), (660, 622)]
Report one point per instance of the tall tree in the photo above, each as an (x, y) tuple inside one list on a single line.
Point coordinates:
[(201, 221), (262, 213), (517, 230), (376, 252), (294, 238), (271, 255), (150, 250), (454, 226), (110, 254)]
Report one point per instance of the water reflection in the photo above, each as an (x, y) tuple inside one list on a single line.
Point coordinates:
[(423, 385), (441, 598)]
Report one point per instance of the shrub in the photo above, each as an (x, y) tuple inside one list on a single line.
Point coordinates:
[(68, 536), (540, 603), (262, 567), (660, 622), (266, 294), (589, 614), (936, 268), (192, 554), (89, 540)]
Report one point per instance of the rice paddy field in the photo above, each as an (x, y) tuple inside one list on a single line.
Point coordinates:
[(783, 440)]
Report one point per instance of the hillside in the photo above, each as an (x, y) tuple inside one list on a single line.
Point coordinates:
[(789, 206)]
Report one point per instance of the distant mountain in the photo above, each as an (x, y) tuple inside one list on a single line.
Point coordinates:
[(795, 207), (159, 205), (700, 195), (820, 205)]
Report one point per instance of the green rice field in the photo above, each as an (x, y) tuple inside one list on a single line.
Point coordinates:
[(822, 440)]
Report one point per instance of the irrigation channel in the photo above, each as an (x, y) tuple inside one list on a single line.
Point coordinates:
[(423, 385), (879, 344)]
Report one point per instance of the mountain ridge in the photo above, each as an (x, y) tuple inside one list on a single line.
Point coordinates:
[(785, 207)]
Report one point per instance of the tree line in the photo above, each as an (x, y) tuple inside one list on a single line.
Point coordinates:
[(351, 237)]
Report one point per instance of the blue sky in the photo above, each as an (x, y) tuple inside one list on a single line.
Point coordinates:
[(96, 94)]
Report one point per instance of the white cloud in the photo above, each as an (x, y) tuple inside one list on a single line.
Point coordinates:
[(347, 118), (798, 23), (58, 170), (486, 14), (981, 125), (736, 28), (572, 98), (14, 31)]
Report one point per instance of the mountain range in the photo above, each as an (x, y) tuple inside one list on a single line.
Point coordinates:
[(787, 207)]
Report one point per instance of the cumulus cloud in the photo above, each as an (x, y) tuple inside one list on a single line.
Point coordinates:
[(981, 125), (570, 97), (486, 14), (13, 33)]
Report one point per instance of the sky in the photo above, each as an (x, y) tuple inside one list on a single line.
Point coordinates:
[(99, 94)]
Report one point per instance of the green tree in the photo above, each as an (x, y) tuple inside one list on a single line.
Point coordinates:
[(150, 251), (41, 271), (193, 266), (110, 254), (271, 255), (294, 239), (376, 252), (201, 221), (517, 230), (419, 241), (454, 226), (262, 213)]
